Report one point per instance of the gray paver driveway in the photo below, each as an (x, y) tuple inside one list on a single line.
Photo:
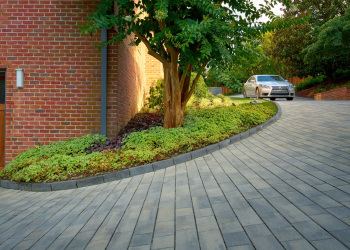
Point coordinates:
[(287, 186)]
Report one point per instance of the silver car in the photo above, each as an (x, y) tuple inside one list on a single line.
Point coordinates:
[(268, 86)]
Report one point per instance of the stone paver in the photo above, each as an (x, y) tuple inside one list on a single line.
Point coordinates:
[(285, 187)]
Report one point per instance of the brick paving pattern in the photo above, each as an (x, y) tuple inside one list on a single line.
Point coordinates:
[(286, 187)]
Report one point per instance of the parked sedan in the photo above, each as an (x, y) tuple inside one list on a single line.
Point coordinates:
[(268, 86)]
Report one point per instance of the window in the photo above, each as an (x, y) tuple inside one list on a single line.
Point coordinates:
[(270, 79), (2, 87)]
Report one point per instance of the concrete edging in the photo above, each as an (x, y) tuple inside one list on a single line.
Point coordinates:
[(117, 175)]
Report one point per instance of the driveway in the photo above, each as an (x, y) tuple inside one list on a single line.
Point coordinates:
[(288, 186)]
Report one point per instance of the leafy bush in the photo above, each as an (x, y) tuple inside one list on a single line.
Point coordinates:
[(225, 100), (341, 73), (310, 82), (217, 101), (203, 103), (156, 96), (201, 90)]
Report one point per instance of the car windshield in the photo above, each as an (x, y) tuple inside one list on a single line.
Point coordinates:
[(270, 79)]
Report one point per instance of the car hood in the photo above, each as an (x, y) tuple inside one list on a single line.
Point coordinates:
[(275, 83)]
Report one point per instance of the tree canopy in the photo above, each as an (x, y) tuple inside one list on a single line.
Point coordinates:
[(184, 35), (331, 47), (300, 45)]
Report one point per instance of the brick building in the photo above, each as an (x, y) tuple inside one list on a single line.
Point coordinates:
[(61, 94)]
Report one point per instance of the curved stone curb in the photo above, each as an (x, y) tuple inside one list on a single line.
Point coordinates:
[(113, 176)]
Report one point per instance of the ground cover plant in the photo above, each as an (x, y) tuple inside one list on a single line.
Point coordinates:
[(92, 155)]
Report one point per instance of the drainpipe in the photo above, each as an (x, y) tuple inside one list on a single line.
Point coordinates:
[(104, 83)]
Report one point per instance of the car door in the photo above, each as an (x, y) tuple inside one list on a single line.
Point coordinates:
[(253, 86), (247, 87)]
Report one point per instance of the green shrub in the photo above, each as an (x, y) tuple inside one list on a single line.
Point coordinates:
[(341, 73), (217, 101), (310, 82), (201, 90), (156, 96), (225, 100), (204, 102)]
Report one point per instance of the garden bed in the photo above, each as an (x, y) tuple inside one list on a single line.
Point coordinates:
[(75, 159)]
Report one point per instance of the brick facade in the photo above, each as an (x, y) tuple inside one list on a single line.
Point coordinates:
[(62, 74), (335, 94), (154, 71)]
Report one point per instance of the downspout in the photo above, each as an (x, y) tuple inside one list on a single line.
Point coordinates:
[(104, 83)]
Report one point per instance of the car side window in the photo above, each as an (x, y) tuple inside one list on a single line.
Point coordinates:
[(253, 79)]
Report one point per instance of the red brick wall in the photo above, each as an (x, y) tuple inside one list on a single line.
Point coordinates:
[(131, 81), (336, 94), (154, 71), (61, 94)]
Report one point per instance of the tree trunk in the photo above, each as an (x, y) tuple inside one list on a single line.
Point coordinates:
[(329, 73), (176, 90), (330, 77), (173, 112)]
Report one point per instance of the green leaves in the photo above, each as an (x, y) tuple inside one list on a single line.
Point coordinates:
[(198, 29), (331, 45)]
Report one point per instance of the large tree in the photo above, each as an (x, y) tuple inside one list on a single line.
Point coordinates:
[(184, 35), (330, 49), (292, 40)]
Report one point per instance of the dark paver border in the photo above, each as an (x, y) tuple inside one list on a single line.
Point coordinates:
[(113, 176)]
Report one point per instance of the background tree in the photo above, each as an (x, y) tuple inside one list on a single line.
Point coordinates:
[(184, 36), (291, 41), (255, 58), (272, 64), (331, 47)]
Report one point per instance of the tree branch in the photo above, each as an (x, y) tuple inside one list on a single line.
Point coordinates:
[(183, 77), (193, 85), (151, 51), (161, 25)]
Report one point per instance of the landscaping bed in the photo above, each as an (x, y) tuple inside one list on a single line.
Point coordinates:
[(142, 141), (312, 86)]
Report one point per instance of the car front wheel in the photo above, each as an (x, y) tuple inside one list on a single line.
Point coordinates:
[(289, 98)]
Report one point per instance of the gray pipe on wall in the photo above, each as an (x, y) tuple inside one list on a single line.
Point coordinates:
[(104, 82)]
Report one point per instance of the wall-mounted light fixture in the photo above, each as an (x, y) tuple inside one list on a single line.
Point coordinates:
[(20, 78)]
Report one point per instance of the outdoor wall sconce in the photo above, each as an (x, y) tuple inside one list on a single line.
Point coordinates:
[(20, 78)]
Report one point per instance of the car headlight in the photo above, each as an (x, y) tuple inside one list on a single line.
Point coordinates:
[(265, 86), (291, 86)]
